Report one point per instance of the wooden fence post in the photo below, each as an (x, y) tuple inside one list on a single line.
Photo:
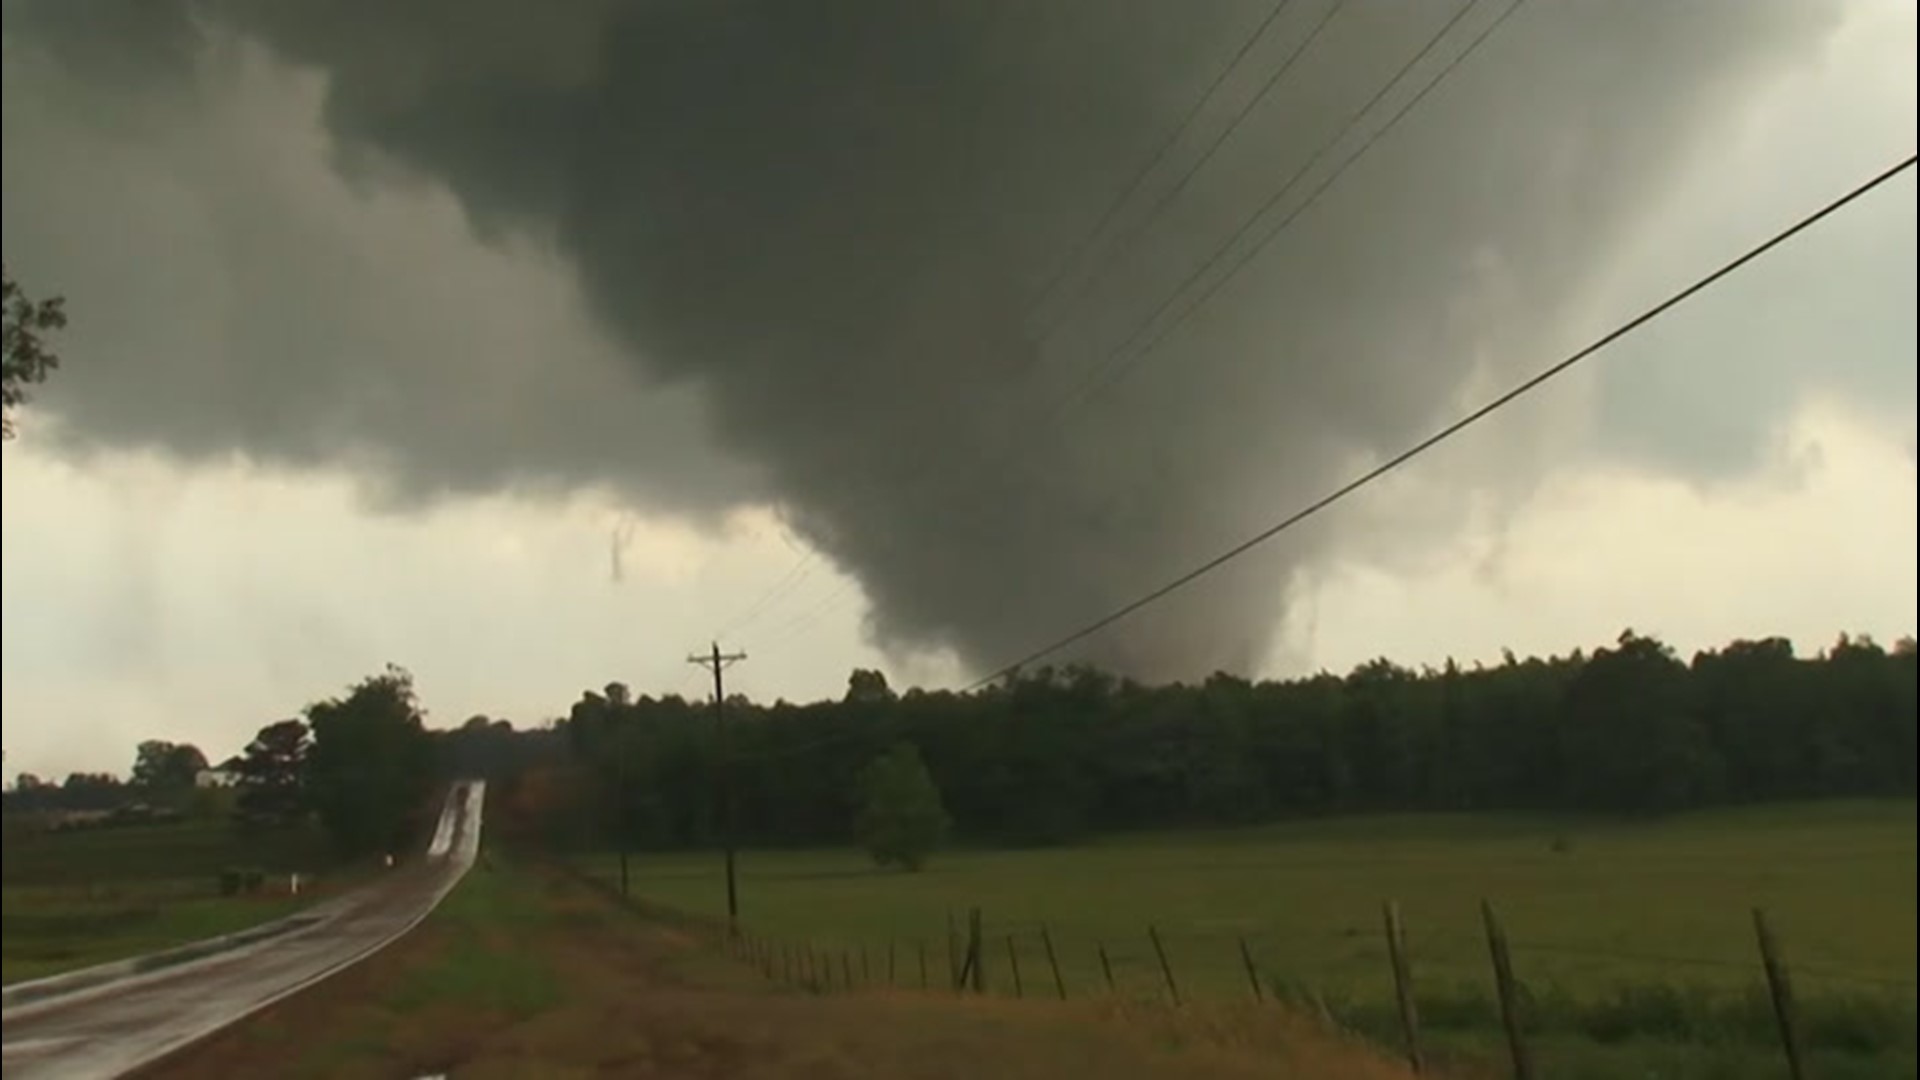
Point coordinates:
[(1780, 987), (866, 969), (1053, 961), (1166, 968), (1253, 973), (1013, 965), (976, 951), (1509, 994), (1106, 966), (953, 952), (846, 971), (892, 980), (1403, 984)]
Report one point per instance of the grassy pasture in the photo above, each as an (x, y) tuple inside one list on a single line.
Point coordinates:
[(73, 899), (523, 972), (1636, 935)]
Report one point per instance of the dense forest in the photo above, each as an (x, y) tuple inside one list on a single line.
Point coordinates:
[(1052, 755)]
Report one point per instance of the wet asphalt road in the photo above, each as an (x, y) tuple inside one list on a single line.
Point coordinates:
[(109, 1030)]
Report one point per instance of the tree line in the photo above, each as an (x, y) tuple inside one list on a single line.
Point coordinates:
[(1051, 755), (165, 774), (1054, 754), (362, 765)]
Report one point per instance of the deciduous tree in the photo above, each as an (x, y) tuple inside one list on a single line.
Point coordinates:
[(272, 775), (25, 358), (371, 763), (902, 821), (166, 769)]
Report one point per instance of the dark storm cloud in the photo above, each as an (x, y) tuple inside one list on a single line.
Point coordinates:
[(831, 220)]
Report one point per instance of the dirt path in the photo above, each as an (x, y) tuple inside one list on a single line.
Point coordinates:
[(525, 973)]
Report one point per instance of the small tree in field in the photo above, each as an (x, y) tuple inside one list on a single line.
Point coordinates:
[(902, 820)]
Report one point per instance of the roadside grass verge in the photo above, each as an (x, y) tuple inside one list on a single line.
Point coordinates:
[(83, 897), (49, 933), (474, 966)]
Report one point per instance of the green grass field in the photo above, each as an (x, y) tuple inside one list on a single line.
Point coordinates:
[(69, 900), (1618, 929)]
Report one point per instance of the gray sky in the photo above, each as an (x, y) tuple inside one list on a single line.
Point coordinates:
[(331, 400)]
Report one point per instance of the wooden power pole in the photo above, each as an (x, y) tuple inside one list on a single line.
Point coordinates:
[(717, 662)]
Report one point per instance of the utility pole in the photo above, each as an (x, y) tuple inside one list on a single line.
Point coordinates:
[(626, 817), (717, 661)]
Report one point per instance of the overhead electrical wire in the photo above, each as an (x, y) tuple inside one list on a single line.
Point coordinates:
[(1078, 395), (1119, 363), (1456, 427), (1120, 247), (927, 460), (1126, 194), (1092, 383), (1393, 463), (795, 576), (1172, 139)]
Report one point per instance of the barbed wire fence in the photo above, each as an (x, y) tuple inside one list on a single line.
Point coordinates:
[(1527, 988)]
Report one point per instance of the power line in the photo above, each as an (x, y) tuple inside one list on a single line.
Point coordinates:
[(781, 589), (1013, 448), (1119, 363), (812, 615), (927, 459), (1093, 384), (1124, 359), (1124, 196), (1450, 430), (795, 576), (1127, 193), (1118, 248)]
